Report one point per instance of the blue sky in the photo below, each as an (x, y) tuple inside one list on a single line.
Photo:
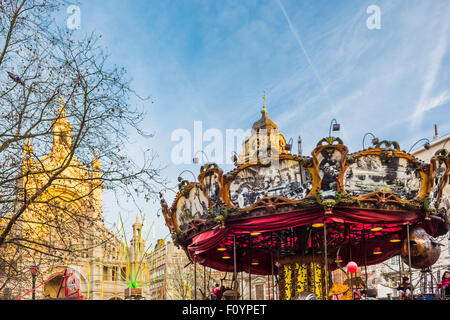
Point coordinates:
[(211, 60)]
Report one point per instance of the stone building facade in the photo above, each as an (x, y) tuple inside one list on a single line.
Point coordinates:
[(96, 257)]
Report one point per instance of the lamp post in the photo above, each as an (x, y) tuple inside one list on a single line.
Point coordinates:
[(34, 270), (374, 139)]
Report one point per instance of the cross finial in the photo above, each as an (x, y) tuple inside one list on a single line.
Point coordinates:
[(264, 111), (62, 102), (62, 110)]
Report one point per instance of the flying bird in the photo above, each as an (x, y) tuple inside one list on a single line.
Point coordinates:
[(15, 78)]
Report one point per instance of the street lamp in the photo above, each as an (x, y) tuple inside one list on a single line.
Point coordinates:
[(335, 126), (374, 139), (34, 270)]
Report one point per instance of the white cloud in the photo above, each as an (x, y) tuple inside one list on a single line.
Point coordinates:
[(426, 102), (432, 103)]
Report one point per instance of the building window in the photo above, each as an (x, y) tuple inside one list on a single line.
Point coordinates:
[(259, 290), (114, 274), (123, 273), (395, 261), (105, 274)]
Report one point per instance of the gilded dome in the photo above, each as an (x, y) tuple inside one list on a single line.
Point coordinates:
[(265, 122)]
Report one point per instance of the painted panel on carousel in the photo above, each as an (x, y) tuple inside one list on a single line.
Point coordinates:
[(369, 173), (330, 162), (439, 177), (289, 180), (438, 180), (212, 186), (193, 207)]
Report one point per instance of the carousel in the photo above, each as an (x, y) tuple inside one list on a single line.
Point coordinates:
[(298, 218)]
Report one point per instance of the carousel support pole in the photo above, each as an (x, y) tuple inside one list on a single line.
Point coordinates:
[(250, 281), (234, 262), (432, 283), (351, 258), (273, 287), (204, 281), (326, 257), (409, 261), (195, 279), (365, 256), (400, 267), (313, 263), (250, 270), (242, 285)]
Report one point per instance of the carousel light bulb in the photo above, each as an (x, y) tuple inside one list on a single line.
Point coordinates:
[(376, 227), (255, 233), (395, 238), (317, 225), (226, 255), (377, 251), (254, 262), (221, 248)]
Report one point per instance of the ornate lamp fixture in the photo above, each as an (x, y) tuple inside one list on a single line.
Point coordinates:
[(374, 139), (234, 157), (34, 270), (195, 159), (180, 179), (426, 145), (288, 146), (335, 126)]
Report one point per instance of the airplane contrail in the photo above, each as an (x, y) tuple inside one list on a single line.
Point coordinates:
[(300, 43)]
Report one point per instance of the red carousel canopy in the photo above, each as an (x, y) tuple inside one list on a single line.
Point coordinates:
[(203, 247)]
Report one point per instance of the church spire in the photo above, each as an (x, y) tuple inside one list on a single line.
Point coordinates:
[(27, 153), (62, 129)]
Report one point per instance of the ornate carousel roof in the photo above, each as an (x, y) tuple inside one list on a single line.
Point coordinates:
[(270, 202)]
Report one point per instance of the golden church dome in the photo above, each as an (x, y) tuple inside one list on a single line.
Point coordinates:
[(265, 122), (265, 141)]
